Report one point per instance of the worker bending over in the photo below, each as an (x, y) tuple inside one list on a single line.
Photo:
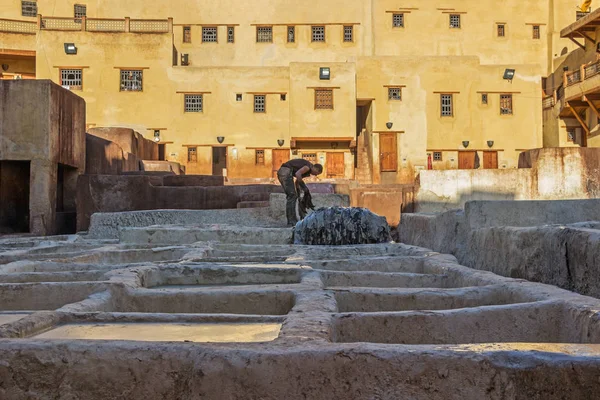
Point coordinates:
[(299, 169)]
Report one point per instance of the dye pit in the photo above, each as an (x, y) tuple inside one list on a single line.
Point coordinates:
[(91, 317)]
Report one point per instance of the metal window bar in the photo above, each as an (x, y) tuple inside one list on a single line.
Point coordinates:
[(506, 104), (72, 78), (536, 32), (230, 34), (318, 33), (501, 30), (291, 34), (323, 99), (29, 8), (187, 34), (259, 103), (131, 80), (398, 20), (437, 156), (394, 93), (264, 34), (454, 20), (259, 158), (192, 154), (79, 10), (194, 103), (446, 102), (348, 33), (209, 34), (484, 98), (573, 77)]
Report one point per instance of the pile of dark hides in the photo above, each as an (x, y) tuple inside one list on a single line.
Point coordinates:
[(336, 226)]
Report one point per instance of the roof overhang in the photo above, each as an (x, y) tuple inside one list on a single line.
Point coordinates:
[(583, 27)]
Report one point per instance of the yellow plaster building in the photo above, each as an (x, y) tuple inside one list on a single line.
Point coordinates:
[(374, 90)]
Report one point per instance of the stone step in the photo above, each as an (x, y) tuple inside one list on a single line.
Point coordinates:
[(252, 204), (254, 196)]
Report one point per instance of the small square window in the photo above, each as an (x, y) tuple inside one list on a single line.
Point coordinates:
[(80, 10), (484, 98), (238, 97), (230, 34), (291, 34), (570, 134), (187, 34), (398, 20), (29, 8), (192, 154), (71, 78), (446, 105), (455, 21), (264, 34), (318, 33), (131, 80), (501, 31), (323, 99), (209, 34), (283, 96), (506, 106), (260, 101), (395, 93), (348, 33), (324, 73), (437, 156), (259, 157), (536, 31), (193, 103)]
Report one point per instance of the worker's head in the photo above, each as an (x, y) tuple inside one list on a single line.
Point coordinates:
[(316, 169)]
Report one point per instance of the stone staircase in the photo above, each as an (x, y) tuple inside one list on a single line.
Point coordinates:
[(363, 171)]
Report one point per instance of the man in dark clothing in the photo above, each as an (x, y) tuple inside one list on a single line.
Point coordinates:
[(299, 169)]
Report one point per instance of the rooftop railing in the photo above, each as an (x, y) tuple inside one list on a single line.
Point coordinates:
[(16, 26), (107, 25)]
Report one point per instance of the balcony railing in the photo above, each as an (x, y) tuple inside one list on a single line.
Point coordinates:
[(572, 77), (60, 24), (107, 25), (548, 102), (16, 26), (584, 72), (581, 14)]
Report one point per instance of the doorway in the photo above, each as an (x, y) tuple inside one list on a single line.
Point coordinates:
[(279, 157), (14, 196), (219, 160), (388, 150), (490, 160), (335, 165), (161, 152), (466, 159)]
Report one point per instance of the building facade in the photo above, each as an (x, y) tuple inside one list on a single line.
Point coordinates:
[(374, 90)]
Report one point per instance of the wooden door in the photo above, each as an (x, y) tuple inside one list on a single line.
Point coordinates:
[(490, 160), (335, 165), (279, 157), (219, 160), (466, 159), (388, 152)]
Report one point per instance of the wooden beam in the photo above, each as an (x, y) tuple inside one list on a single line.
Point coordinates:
[(578, 118), (592, 106), (587, 37), (576, 42)]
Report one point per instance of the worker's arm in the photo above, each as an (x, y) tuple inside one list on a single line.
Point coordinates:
[(301, 172)]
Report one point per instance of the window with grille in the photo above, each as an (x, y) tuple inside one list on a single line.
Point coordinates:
[(398, 20), (187, 34), (506, 106), (501, 30), (437, 156), (454, 20), (192, 154), (71, 78), (348, 33), (446, 102), (264, 34), (484, 98), (260, 101), (570, 134), (323, 99), (193, 102), (131, 80), (230, 34), (536, 31), (394, 93), (310, 157), (80, 10), (291, 34), (259, 157), (209, 34), (29, 8), (318, 33)]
